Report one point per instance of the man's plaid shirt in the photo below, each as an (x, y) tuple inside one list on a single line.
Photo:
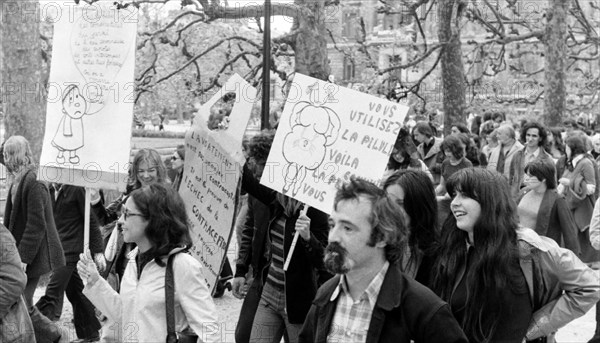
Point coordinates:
[(352, 318)]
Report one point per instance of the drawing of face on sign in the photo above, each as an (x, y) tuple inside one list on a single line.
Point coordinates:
[(69, 134), (220, 111), (314, 127)]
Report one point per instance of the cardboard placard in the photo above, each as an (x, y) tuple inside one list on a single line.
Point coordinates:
[(210, 182), (90, 97), (325, 135)]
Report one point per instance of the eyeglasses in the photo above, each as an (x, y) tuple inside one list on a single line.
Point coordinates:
[(127, 213)]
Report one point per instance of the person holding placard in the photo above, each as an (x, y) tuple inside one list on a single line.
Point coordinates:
[(147, 168), (154, 218), (286, 296)]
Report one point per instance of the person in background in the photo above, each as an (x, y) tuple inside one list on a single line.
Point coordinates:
[(534, 136), (12, 285), (595, 152), (370, 299), (429, 149), (455, 161), (154, 218), (501, 156), (595, 242), (543, 210), (459, 128), (413, 191), (405, 156), (252, 243), (286, 294), (69, 214), (555, 146), (578, 185), (28, 216), (177, 161), (503, 282), (491, 141)]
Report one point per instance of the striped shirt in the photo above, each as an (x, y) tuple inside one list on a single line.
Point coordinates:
[(276, 277), (352, 318)]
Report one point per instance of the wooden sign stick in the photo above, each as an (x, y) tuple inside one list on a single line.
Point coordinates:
[(86, 220), (294, 241)]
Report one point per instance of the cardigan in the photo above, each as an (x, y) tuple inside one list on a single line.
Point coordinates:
[(555, 220)]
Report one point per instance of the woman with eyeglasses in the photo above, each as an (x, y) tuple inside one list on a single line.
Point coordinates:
[(177, 160), (154, 218), (147, 168)]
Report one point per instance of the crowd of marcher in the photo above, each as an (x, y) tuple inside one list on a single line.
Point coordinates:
[(489, 234)]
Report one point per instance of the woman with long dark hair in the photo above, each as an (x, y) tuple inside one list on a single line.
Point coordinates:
[(413, 191), (477, 271), (554, 144), (505, 283)]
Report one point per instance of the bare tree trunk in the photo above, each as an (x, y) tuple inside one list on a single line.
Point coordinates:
[(310, 45), (453, 82), (555, 40), (21, 70)]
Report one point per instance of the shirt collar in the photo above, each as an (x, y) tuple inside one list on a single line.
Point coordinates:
[(371, 292), (535, 153), (576, 159)]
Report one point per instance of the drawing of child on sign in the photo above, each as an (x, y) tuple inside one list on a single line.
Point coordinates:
[(69, 134), (314, 128)]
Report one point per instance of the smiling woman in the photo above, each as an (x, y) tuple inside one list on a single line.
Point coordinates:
[(478, 270)]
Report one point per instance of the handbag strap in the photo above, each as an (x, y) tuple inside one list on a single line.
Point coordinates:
[(170, 300)]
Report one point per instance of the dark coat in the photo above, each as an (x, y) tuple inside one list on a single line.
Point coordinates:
[(555, 220), (69, 213), (31, 221), (405, 311), (301, 278), (12, 278)]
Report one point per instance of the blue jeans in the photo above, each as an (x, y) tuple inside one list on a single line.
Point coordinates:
[(271, 320)]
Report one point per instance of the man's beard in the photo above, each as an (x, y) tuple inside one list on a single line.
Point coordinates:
[(335, 259)]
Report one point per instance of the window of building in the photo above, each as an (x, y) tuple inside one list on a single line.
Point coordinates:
[(349, 69), (350, 24)]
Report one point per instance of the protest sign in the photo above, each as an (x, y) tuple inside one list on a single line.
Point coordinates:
[(325, 135), (90, 96), (211, 175)]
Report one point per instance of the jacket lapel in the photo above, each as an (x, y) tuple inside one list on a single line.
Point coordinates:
[(388, 299), (543, 217)]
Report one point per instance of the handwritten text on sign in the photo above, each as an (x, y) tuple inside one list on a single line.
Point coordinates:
[(211, 182), (90, 93), (326, 134)]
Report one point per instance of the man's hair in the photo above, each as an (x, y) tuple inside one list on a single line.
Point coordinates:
[(509, 130), (18, 154), (424, 128), (462, 128), (543, 170), (387, 219), (260, 145), (541, 131)]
